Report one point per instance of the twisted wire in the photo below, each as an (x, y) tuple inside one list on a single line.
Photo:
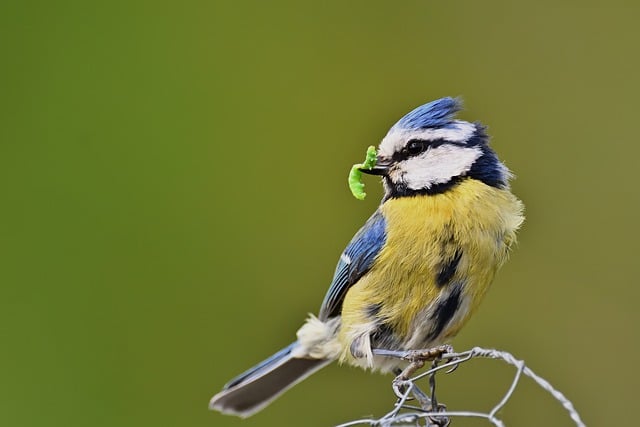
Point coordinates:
[(403, 414)]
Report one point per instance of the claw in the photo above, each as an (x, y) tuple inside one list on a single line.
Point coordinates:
[(453, 368)]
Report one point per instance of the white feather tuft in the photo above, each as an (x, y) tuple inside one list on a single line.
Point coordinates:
[(318, 339)]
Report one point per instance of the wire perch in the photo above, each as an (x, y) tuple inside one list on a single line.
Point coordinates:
[(435, 414)]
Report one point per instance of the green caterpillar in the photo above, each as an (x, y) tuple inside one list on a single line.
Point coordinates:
[(355, 175)]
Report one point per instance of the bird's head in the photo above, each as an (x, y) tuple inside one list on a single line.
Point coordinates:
[(428, 151)]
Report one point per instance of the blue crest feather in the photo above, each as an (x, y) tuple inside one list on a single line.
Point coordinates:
[(435, 114)]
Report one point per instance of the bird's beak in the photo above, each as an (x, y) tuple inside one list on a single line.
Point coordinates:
[(381, 168)]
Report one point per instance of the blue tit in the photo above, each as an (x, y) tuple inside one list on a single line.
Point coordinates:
[(418, 268)]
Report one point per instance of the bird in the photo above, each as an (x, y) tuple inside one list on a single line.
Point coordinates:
[(412, 276)]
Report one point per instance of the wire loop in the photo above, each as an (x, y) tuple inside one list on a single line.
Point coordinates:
[(430, 410)]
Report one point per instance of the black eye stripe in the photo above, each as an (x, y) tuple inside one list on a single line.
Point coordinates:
[(414, 147)]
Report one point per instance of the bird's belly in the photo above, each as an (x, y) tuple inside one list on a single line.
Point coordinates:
[(431, 274)]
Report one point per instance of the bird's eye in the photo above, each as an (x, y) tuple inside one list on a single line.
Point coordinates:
[(415, 147)]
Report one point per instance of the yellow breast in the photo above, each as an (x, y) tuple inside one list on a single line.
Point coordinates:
[(434, 245)]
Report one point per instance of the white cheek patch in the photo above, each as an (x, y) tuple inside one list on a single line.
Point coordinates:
[(458, 131), (437, 165)]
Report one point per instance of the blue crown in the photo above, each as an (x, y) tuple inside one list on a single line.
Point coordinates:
[(435, 114)]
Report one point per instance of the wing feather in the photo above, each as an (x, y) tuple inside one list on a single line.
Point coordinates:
[(355, 261)]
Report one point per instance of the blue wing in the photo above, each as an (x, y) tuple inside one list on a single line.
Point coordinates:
[(354, 262)]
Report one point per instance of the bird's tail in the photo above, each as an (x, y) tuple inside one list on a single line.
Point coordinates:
[(254, 389)]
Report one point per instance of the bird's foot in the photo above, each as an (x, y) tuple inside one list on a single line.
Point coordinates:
[(429, 354), (416, 359), (426, 355)]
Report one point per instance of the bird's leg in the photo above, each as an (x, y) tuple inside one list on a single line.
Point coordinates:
[(402, 379)]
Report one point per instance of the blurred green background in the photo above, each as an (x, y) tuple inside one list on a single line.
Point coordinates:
[(174, 198)]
